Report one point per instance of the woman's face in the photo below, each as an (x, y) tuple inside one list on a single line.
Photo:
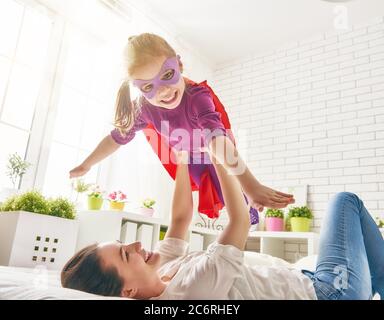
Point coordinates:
[(161, 82), (136, 266)]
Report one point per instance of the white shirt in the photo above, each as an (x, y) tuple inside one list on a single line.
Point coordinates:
[(220, 273)]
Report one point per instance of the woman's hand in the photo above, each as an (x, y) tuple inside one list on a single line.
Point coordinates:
[(182, 157), (261, 196), (79, 171)]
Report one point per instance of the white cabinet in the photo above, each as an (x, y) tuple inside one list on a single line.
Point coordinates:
[(104, 226), (279, 244)]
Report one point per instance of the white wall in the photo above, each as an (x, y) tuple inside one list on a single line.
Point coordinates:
[(313, 113)]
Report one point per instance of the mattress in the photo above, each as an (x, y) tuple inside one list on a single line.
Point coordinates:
[(38, 284), (42, 284)]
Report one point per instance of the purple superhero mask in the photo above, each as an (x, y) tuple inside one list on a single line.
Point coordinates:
[(150, 87)]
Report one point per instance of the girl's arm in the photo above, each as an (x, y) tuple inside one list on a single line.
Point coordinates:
[(236, 232), (223, 149), (182, 204), (105, 148)]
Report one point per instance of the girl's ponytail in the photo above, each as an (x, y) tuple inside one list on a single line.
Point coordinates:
[(125, 113)]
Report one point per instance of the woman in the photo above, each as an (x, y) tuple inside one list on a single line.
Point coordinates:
[(350, 263)]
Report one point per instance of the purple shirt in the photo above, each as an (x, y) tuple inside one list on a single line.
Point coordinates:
[(187, 121)]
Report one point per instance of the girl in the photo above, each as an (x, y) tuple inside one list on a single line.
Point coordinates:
[(177, 114), (350, 262)]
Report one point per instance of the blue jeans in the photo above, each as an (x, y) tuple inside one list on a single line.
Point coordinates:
[(350, 263)]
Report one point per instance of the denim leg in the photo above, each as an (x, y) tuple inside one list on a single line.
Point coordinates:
[(374, 246), (351, 251)]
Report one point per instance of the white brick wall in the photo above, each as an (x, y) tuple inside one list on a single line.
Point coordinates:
[(314, 114)]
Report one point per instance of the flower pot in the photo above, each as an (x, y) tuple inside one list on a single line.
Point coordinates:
[(300, 224), (274, 224), (95, 203), (115, 205), (146, 211), (29, 240)]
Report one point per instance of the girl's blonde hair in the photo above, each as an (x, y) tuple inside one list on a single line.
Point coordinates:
[(140, 51)]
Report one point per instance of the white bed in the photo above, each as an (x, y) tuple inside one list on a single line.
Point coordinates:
[(40, 284), (37, 284)]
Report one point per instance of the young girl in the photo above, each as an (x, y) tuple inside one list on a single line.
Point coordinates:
[(177, 114), (349, 266)]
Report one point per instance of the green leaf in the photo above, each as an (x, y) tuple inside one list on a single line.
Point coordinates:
[(34, 201), (274, 213), (300, 212)]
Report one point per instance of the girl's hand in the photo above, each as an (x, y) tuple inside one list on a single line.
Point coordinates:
[(261, 196), (79, 171)]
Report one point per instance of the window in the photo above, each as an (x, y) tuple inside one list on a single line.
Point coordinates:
[(59, 75), (75, 71), (25, 35), (84, 110)]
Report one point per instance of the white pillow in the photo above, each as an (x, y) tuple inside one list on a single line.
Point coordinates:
[(39, 284)]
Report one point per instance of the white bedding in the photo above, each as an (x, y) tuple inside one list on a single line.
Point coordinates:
[(37, 284), (40, 284)]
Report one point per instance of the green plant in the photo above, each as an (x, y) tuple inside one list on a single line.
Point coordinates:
[(274, 213), (379, 222), (61, 207), (16, 168), (149, 203), (34, 201), (96, 192), (9, 204), (80, 186), (300, 212)]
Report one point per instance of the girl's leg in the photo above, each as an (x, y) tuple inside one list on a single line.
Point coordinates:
[(351, 252), (254, 215), (196, 170)]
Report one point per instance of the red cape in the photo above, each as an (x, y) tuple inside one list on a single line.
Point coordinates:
[(209, 201)]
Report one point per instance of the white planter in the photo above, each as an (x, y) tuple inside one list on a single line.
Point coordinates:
[(29, 240), (146, 211)]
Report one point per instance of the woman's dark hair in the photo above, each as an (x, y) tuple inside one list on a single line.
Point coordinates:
[(84, 272)]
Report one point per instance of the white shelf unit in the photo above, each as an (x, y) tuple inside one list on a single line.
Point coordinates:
[(102, 226), (273, 243)]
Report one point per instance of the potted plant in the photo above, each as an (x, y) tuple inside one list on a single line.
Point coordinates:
[(95, 198), (37, 231), (379, 222), (274, 220), (61, 207), (16, 168), (117, 200), (147, 207), (300, 218), (80, 187)]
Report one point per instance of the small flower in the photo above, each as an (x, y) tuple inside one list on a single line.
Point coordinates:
[(117, 196), (96, 192)]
